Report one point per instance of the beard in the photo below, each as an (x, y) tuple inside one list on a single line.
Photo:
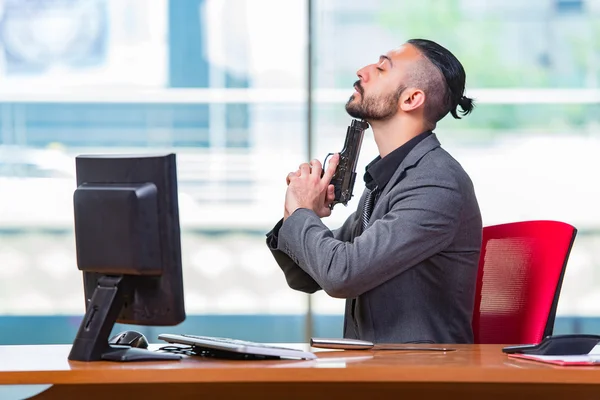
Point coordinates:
[(373, 108)]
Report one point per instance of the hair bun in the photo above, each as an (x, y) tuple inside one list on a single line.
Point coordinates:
[(467, 105)]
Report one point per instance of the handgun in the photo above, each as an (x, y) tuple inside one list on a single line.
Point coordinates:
[(345, 172)]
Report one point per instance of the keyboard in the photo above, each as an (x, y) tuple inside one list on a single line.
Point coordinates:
[(235, 348)]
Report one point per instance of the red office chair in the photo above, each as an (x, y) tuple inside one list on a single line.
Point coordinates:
[(521, 269)]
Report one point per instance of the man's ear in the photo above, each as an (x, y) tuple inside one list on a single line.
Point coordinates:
[(412, 99)]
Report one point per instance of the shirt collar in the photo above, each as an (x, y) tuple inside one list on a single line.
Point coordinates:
[(379, 171)]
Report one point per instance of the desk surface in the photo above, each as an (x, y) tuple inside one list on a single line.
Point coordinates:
[(469, 364)]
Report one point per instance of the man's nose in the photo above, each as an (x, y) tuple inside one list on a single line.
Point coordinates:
[(363, 74)]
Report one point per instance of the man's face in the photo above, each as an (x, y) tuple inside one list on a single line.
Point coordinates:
[(380, 85)]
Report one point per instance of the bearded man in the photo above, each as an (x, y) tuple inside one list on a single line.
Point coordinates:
[(406, 260)]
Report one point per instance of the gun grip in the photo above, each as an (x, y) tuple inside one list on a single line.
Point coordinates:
[(337, 189)]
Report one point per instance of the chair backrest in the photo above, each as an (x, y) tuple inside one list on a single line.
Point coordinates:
[(521, 269)]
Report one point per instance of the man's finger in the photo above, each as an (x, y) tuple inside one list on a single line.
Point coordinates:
[(316, 167), (330, 194), (290, 175), (330, 171), (304, 169)]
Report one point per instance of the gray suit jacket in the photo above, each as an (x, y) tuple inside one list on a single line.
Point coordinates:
[(410, 276)]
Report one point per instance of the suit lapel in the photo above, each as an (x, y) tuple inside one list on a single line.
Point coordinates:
[(429, 143)]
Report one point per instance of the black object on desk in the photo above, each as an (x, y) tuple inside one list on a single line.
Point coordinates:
[(127, 238), (557, 345)]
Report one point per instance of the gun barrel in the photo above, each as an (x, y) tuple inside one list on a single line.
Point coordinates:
[(345, 175)]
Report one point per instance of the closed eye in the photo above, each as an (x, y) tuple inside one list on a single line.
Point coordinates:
[(383, 59)]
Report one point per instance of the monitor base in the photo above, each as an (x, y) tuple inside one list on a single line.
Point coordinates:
[(91, 342)]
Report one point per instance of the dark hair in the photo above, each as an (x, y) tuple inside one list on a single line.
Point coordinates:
[(451, 95)]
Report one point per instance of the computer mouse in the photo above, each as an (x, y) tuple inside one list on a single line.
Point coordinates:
[(131, 339)]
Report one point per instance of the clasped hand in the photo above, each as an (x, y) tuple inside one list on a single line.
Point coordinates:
[(307, 189)]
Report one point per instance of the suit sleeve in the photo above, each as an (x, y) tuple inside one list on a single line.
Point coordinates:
[(421, 222), (295, 276)]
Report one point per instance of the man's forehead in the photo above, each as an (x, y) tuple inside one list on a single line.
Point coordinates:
[(405, 52)]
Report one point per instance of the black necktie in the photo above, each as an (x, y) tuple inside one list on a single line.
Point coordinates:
[(368, 208)]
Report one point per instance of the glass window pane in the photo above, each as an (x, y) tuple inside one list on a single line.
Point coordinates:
[(219, 82), (531, 141)]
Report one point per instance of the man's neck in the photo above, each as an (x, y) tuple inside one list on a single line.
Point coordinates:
[(393, 133)]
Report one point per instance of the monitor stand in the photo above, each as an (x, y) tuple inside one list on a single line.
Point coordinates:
[(91, 342)]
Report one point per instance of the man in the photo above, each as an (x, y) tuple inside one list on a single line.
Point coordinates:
[(407, 268)]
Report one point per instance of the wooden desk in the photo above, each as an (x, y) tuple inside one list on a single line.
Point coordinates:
[(479, 371)]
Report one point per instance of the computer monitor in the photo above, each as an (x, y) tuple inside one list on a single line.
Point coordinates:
[(127, 237)]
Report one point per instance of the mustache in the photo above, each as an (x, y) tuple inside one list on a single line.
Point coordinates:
[(359, 87)]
